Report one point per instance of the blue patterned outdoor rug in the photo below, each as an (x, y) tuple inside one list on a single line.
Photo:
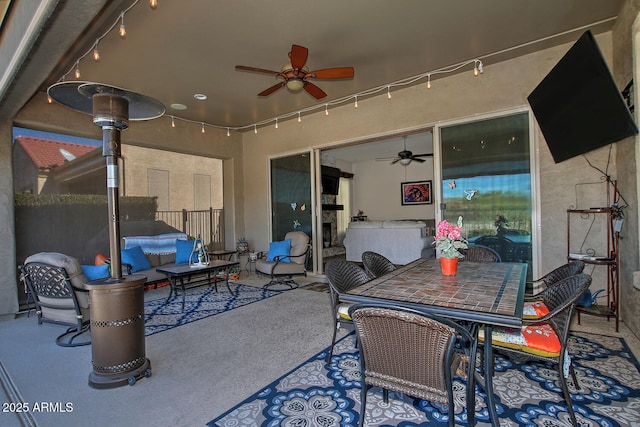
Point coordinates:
[(199, 304), (527, 394)]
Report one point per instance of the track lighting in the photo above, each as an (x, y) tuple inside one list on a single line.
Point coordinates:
[(255, 129), (428, 81), (276, 123), (202, 127), (326, 109), (356, 103), (299, 118), (173, 123), (153, 4), (77, 72), (388, 92), (228, 132)]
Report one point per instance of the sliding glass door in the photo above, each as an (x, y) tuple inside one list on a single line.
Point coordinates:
[(486, 179), (291, 194)]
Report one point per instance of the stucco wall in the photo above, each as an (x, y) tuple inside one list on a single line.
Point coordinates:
[(626, 47), (503, 86), (181, 169)]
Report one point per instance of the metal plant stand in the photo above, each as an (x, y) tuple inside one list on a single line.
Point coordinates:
[(117, 303)]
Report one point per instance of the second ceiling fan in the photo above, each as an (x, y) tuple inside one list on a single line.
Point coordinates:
[(296, 74), (405, 156)]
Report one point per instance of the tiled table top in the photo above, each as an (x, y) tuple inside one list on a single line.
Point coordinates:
[(483, 292)]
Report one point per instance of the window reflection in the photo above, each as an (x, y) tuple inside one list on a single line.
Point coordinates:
[(487, 179)]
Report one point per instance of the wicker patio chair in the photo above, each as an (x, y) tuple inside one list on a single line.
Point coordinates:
[(343, 276), (480, 253), (566, 270), (545, 339), (376, 265), (413, 353), (54, 280)]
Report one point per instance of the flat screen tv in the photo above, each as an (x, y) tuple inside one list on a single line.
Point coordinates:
[(578, 105), (330, 180)]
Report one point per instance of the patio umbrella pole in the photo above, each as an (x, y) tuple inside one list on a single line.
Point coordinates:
[(117, 302)]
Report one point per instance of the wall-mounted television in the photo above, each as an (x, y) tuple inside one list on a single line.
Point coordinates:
[(330, 180), (578, 105)]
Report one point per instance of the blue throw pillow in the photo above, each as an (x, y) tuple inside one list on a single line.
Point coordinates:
[(183, 250), (136, 258), (281, 249), (95, 272)]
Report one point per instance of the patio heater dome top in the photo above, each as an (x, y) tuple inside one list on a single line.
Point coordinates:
[(78, 96)]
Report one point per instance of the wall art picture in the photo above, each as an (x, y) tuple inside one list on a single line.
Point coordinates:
[(416, 193)]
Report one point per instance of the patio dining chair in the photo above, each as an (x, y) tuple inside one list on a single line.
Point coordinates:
[(376, 265), (342, 276), (410, 352), (480, 253), (55, 280), (535, 287), (534, 307), (545, 339)]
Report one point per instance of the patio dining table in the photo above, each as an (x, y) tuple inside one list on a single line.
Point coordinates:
[(486, 294)]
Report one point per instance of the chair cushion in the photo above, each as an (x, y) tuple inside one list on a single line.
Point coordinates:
[(183, 251), (95, 272), (535, 339), (70, 264), (157, 244), (343, 311), (136, 258), (281, 249), (534, 310)]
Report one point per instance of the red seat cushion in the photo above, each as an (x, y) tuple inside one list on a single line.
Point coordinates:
[(534, 310), (535, 339)]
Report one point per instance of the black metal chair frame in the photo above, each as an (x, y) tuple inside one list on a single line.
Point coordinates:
[(460, 341), (342, 276), (376, 265), (53, 282)]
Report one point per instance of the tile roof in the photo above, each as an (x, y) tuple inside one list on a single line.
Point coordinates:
[(46, 153)]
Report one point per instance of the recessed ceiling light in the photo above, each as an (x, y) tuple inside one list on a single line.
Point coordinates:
[(178, 106), (200, 96)]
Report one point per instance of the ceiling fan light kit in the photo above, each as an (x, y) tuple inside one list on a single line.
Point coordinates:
[(296, 74)]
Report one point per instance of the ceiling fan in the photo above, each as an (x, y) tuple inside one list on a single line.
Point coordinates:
[(296, 74), (405, 156)]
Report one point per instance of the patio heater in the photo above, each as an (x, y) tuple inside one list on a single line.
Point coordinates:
[(117, 302)]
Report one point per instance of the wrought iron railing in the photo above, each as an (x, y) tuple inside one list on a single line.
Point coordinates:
[(209, 224)]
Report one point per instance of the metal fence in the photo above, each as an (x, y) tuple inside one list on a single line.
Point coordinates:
[(209, 224)]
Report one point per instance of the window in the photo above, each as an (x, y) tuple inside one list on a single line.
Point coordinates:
[(486, 179)]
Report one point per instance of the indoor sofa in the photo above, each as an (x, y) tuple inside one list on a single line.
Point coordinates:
[(399, 241)]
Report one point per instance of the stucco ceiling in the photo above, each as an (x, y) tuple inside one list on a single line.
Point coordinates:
[(183, 48)]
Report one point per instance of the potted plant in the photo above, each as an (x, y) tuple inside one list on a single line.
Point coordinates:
[(448, 240), (242, 246)]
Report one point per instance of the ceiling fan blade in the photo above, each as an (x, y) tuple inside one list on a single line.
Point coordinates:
[(298, 56), (272, 89), (332, 73), (256, 70), (423, 155), (417, 159), (395, 161), (314, 90)]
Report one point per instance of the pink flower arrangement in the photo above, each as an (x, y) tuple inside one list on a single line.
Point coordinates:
[(449, 239)]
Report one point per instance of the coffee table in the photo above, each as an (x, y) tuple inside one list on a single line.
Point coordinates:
[(186, 277)]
